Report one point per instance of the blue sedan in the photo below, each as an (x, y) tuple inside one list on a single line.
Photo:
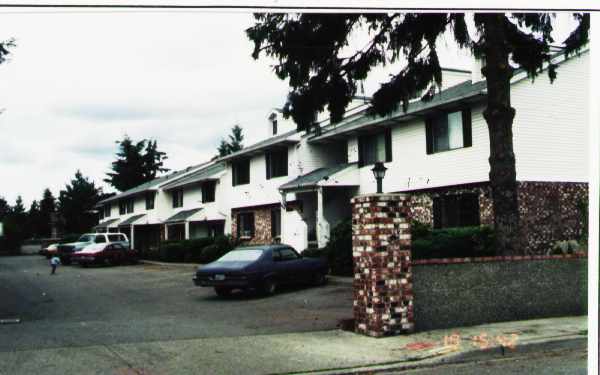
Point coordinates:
[(261, 268)]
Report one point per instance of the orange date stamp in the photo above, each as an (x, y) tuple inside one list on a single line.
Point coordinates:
[(482, 341)]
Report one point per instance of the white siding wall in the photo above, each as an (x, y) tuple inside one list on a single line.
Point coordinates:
[(411, 168), (551, 127), (452, 78), (259, 191), (313, 156)]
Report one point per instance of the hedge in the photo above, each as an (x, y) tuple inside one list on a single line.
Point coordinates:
[(199, 250), (427, 243)]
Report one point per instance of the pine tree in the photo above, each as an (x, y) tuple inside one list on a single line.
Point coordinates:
[(311, 50), (137, 163), (76, 204), (47, 208), (235, 142)]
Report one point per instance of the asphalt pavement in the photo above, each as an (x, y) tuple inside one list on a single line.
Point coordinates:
[(110, 305)]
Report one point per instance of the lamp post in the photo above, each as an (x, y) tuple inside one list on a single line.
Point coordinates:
[(379, 173)]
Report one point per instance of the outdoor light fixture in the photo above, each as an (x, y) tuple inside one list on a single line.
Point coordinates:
[(379, 173)]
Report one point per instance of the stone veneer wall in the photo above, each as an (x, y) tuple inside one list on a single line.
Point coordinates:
[(383, 300), (549, 211), (262, 223)]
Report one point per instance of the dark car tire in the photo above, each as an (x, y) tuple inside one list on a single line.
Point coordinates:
[(66, 261), (268, 286), (222, 291)]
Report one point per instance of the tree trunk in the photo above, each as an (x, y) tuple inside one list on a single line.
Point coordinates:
[(499, 116)]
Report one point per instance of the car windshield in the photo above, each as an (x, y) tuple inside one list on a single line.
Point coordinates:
[(241, 256), (86, 238)]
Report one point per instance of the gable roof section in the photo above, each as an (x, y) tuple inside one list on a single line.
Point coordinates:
[(204, 174)]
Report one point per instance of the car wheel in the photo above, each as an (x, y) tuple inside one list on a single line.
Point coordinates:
[(84, 265), (66, 261), (319, 279), (222, 292), (268, 287), (113, 262)]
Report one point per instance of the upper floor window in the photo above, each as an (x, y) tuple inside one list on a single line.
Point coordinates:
[(150, 196), (277, 163), (101, 214), (375, 147), (240, 172), (130, 204), (458, 210), (448, 131), (177, 198), (208, 191), (107, 210), (122, 207)]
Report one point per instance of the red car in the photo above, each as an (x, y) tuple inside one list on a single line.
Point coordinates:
[(101, 253)]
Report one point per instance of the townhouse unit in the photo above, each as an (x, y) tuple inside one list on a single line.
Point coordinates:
[(166, 208), (294, 187)]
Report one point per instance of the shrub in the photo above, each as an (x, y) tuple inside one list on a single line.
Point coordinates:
[(454, 243), (339, 249), (220, 246), (181, 251), (172, 252)]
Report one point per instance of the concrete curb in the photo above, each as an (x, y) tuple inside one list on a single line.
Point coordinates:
[(431, 359)]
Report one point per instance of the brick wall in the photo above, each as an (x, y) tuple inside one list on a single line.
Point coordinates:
[(549, 211), (262, 223), (383, 301)]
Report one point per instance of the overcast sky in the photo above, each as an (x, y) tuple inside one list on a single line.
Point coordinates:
[(77, 82)]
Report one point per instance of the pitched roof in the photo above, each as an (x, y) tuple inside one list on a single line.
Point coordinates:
[(182, 215), (313, 178), (204, 174)]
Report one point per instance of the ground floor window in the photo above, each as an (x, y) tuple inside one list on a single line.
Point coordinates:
[(456, 210), (245, 225)]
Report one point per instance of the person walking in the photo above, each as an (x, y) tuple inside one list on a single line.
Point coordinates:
[(54, 262)]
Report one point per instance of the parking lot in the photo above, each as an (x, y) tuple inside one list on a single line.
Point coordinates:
[(142, 303)]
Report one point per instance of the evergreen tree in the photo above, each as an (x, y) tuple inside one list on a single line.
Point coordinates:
[(234, 144), (34, 220), (76, 204), (47, 208), (312, 53), (18, 208), (137, 163), (5, 49), (4, 208)]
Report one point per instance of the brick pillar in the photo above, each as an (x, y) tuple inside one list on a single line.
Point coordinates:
[(383, 299)]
